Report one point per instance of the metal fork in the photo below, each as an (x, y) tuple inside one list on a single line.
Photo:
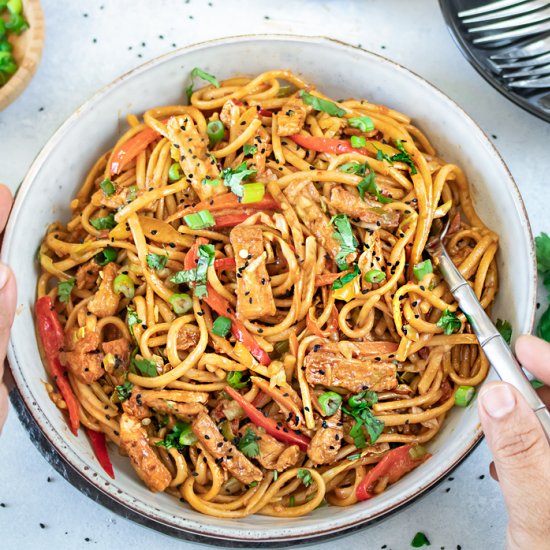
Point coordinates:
[(492, 343), (519, 19)]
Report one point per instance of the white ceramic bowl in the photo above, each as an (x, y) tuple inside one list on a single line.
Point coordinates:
[(340, 71)]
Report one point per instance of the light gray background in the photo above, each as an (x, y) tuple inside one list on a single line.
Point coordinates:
[(88, 44)]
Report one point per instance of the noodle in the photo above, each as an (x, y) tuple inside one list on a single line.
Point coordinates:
[(251, 316)]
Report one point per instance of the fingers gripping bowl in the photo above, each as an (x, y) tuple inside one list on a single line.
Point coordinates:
[(61, 167)]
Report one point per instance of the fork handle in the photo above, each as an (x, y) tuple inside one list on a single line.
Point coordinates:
[(496, 349)]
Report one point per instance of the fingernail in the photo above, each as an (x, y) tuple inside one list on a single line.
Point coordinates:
[(498, 400), (4, 275)]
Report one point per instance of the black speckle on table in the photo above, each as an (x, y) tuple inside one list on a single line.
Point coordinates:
[(130, 47), (267, 17), (87, 539), (143, 44), (458, 547), (384, 546), (161, 36), (49, 480), (139, 55), (2, 505), (359, 46), (538, 305), (173, 44), (383, 47), (40, 109), (482, 476), (450, 479), (101, 7), (494, 136), (94, 40), (210, 4), (447, 489), (84, 15), (191, 17), (42, 526)]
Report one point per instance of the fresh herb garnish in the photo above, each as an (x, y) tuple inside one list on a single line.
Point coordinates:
[(419, 540), (358, 141), (536, 384), (64, 289), (156, 261), (368, 185), (248, 444), (339, 283), (196, 72), (403, 156), (330, 402), (359, 409), (235, 380), (505, 329), (321, 104), (305, 476), (106, 222), (200, 220), (380, 155), (124, 391), (449, 322), (249, 149), (196, 278), (132, 320), (364, 123), (108, 187), (344, 235), (353, 168), (233, 178), (180, 437), (145, 366)]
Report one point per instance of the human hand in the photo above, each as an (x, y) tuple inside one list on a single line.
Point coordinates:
[(8, 295), (521, 450)]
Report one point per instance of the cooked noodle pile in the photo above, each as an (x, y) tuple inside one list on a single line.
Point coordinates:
[(246, 307)]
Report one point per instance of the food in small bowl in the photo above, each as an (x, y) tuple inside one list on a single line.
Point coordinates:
[(251, 305)]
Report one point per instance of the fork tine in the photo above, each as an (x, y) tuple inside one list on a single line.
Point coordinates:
[(489, 7), (516, 33), (529, 19), (514, 10), (531, 62), (530, 48), (539, 71), (530, 83)]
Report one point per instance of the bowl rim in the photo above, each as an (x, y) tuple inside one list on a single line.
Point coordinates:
[(102, 489), (33, 53)]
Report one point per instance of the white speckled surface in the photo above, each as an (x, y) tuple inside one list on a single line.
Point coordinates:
[(88, 44)]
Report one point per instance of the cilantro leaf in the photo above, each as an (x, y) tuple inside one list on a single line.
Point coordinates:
[(380, 155), (233, 178), (363, 123), (368, 185), (449, 322), (107, 222), (249, 149), (124, 391), (196, 278), (419, 540), (505, 329), (234, 379), (543, 329), (339, 283), (132, 320), (145, 366), (403, 156), (180, 437), (344, 235), (321, 104), (248, 444), (196, 72), (156, 261), (64, 289), (353, 168), (305, 476)]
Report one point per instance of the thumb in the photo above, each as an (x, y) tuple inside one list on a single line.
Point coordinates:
[(522, 459)]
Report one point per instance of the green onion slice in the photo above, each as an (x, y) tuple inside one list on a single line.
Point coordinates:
[(253, 192), (175, 173), (358, 142), (181, 303), (215, 131), (108, 187), (463, 395), (123, 284), (221, 326), (422, 269), (105, 256), (330, 402), (375, 276), (200, 220)]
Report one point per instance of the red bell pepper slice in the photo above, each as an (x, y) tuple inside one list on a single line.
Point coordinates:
[(52, 338), (227, 201), (225, 263), (99, 446), (221, 306), (130, 149), (231, 220), (328, 145), (265, 112), (285, 435), (394, 466)]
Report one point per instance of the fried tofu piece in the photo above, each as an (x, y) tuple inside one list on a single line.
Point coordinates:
[(105, 301), (327, 440), (291, 117), (254, 293), (273, 454)]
